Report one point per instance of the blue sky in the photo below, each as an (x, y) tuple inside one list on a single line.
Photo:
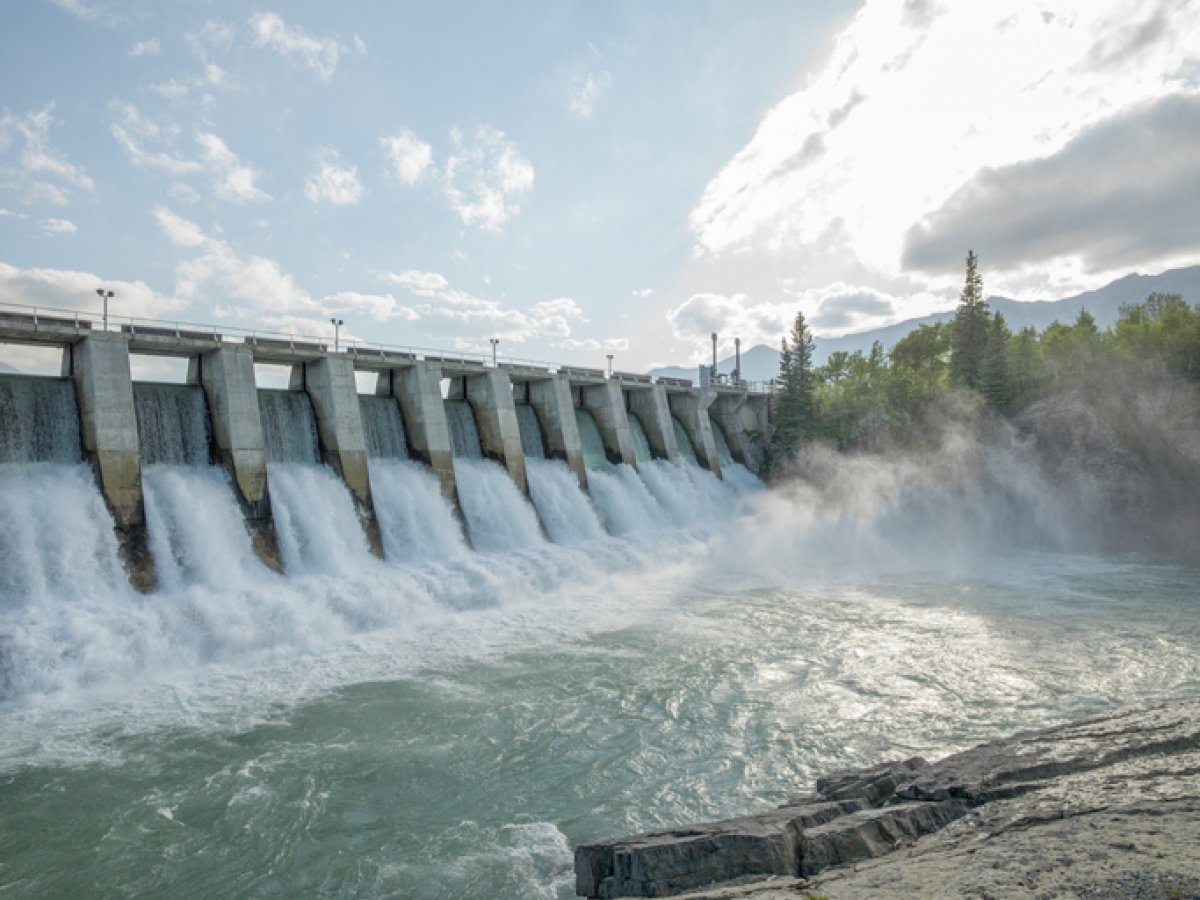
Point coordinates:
[(588, 178)]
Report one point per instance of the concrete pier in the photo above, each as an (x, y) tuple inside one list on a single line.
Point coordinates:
[(491, 397), (329, 383), (606, 403), (743, 419), (551, 400), (418, 388), (99, 366), (227, 377), (691, 408), (650, 405)]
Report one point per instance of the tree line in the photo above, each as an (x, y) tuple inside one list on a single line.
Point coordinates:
[(856, 397)]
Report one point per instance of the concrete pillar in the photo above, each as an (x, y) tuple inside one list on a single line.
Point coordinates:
[(227, 377), (419, 389), (726, 412), (655, 413), (329, 383), (491, 399), (551, 400), (691, 408), (99, 366), (755, 417), (606, 402)]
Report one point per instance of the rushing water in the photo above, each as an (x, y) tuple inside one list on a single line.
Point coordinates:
[(450, 722), (172, 422), (687, 452), (289, 426), (383, 428), (41, 420), (641, 443)]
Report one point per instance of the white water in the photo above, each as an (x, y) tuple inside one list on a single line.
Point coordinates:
[(566, 513), (625, 506), (318, 527), (197, 534), (498, 517), (415, 522)]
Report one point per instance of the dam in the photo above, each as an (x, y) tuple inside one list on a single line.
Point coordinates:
[(450, 454)]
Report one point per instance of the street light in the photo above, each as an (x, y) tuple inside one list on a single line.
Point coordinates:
[(494, 342), (610, 356), (337, 326), (105, 296)]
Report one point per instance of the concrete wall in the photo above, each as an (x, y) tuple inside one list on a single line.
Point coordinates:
[(99, 366), (329, 383), (655, 414), (227, 377), (691, 409), (418, 388), (606, 402), (551, 400), (491, 399)]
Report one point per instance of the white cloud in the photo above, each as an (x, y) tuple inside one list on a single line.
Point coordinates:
[(467, 320), (333, 183), (378, 306), (150, 47), (913, 102), (485, 180), (613, 344), (410, 156), (180, 231), (232, 180), (133, 132), (37, 160), (79, 8), (587, 91), (318, 54), (76, 291), (643, 293), (58, 226)]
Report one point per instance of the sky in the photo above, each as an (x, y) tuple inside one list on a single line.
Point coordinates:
[(582, 179)]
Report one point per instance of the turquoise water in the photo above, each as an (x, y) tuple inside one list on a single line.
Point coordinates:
[(452, 725)]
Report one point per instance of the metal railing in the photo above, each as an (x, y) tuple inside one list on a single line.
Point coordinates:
[(199, 331)]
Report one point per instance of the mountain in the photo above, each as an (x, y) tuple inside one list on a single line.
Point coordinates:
[(761, 363)]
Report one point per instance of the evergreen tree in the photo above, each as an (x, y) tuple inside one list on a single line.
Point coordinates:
[(995, 383), (969, 334), (795, 404)]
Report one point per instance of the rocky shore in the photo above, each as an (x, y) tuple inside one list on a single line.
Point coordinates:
[(1107, 807)]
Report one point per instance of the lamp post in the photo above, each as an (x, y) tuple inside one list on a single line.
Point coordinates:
[(337, 327), (105, 296), (494, 342), (610, 356)]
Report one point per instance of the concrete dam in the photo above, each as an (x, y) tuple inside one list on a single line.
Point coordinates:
[(448, 452)]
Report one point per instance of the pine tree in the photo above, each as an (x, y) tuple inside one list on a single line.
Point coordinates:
[(994, 377), (793, 415), (969, 335)]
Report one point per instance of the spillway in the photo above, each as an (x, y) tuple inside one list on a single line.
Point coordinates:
[(641, 443), (289, 426), (498, 517), (565, 511), (172, 424), (734, 473), (40, 419), (383, 428), (687, 451)]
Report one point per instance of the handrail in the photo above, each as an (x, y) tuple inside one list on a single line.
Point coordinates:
[(233, 333)]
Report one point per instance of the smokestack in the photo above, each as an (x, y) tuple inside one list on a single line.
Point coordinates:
[(737, 359), (714, 337)]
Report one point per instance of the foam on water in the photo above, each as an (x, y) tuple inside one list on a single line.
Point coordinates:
[(564, 509)]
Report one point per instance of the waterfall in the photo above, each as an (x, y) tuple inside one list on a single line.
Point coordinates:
[(564, 509), (531, 432), (463, 433), (594, 455), (315, 519), (723, 454), (498, 517), (56, 536), (289, 426), (624, 503), (383, 428), (687, 451), (197, 533), (415, 521), (40, 420), (641, 444), (736, 475), (172, 421), (690, 495)]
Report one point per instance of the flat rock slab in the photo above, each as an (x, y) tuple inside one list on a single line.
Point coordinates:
[(1107, 807)]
